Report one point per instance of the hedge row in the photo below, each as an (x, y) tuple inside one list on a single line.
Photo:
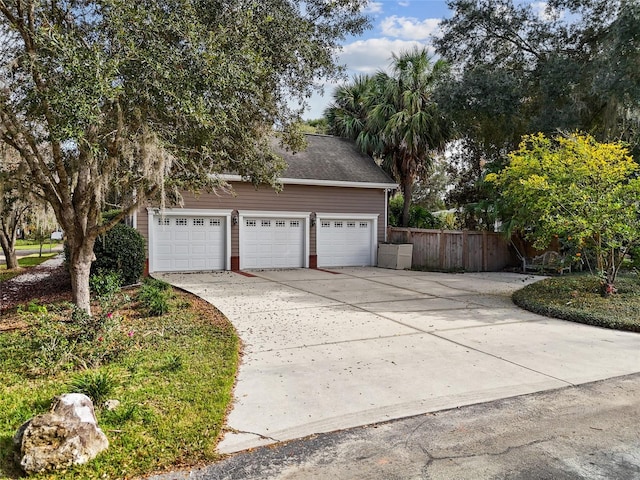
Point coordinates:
[(527, 298)]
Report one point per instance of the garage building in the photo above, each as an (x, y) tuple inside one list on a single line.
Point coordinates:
[(331, 212)]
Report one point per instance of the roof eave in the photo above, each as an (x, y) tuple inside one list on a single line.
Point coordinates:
[(320, 183)]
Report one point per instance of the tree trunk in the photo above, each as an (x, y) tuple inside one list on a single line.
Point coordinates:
[(607, 289), (10, 258), (407, 192), (81, 256), (9, 250)]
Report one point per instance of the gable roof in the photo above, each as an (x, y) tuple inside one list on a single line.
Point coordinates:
[(332, 160), (327, 161)]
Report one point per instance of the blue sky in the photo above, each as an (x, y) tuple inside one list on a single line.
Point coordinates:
[(396, 25)]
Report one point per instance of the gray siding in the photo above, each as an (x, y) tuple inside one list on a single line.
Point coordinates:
[(293, 198)]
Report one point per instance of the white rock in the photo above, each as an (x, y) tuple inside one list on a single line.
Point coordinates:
[(111, 404), (68, 435)]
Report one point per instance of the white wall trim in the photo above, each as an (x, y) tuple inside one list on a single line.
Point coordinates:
[(356, 216), (305, 216), (273, 214), (177, 212), (190, 212), (151, 246), (319, 183), (386, 213)]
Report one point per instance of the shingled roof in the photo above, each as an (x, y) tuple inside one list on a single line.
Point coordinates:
[(330, 158)]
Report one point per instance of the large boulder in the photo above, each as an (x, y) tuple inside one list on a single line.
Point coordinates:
[(67, 435)]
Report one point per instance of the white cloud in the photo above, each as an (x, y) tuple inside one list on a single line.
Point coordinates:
[(371, 55), (409, 28), (373, 7), (404, 4)]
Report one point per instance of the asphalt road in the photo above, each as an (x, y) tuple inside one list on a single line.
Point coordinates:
[(587, 432)]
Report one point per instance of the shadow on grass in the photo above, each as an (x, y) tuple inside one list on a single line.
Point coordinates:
[(8, 458)]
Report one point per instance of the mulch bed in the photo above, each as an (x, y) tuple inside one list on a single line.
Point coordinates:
[(43, 284)]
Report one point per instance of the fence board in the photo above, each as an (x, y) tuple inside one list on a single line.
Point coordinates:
[(452, 250)]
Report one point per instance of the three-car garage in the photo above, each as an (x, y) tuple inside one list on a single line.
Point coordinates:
[(330, 210), (188, 240)]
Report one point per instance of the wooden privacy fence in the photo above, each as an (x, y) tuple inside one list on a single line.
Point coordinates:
[(452, 250)]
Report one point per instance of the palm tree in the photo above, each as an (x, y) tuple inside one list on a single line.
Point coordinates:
[(347, 115), (394, 118)]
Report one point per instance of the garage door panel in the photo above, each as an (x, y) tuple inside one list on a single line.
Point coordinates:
[(272, 243), (163, 236), (163, 249), (344, 242), (181, 236), (199, 237), (179, 249), (162, 265), (198, 250), (182, 263), (188, 243)]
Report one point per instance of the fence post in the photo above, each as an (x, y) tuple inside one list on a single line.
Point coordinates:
[(465, 250), (441, 248), (485, 251)]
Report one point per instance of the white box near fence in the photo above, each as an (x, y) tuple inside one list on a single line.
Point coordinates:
[(395, 255)]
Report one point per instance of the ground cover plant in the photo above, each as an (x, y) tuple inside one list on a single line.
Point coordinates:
[(172, 374), (578, 298)]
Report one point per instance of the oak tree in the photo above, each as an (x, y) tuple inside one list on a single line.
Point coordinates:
[(525, 67), (140, 100)]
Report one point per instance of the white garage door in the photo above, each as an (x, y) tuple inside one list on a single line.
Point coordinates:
[(272, 242), (188, 243), (345, 242)]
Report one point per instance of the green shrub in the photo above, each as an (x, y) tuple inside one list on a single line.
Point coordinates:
[(634, 253), (419, 217), (159, 284), (50, 342), (154, 299), (95, 385), (578, 298), (86, 326), (86, 341), (33, 307), (120, 250), (105, 284), (110, 215)]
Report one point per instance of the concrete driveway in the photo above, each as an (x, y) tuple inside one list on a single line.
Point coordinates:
[(327, 351)]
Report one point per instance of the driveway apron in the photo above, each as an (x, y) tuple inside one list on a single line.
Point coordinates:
[(328, 350)]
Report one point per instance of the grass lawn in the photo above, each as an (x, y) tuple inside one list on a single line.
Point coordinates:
[(33, 245), (173, 375), (577, 298), (24, 262)]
